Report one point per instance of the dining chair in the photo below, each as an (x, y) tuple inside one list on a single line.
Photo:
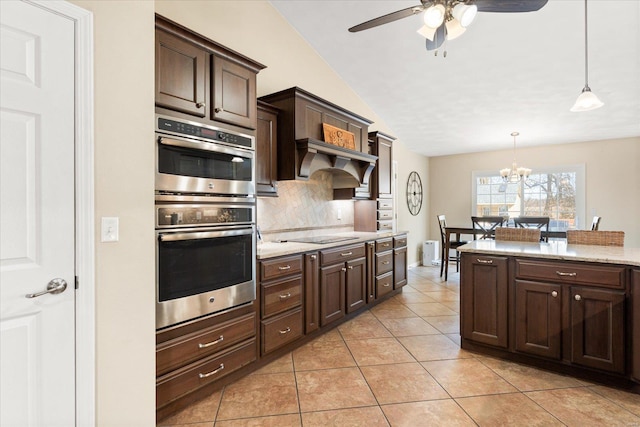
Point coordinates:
[(595, 223), (517, 234), (539, 222), (442, 223), (599, 238), (486, 225)]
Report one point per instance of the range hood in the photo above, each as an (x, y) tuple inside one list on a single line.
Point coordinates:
[(301, 147), (350, 168)]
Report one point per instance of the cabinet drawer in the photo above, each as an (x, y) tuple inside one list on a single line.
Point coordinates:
[(399, 241), (384, 262), (385, 204), (194, 376), (343, 253), (384, 284), (181, 351), (385, 225), (281, 296), (385, 214), (597, 275), (280, 267), (281, 330), (384, 245)]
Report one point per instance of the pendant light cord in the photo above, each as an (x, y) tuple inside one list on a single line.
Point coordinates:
[(586, 49)]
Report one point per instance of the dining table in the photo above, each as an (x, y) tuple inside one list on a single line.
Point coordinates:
[(460, 231)]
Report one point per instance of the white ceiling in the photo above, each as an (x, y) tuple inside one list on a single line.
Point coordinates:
[(508, 72)]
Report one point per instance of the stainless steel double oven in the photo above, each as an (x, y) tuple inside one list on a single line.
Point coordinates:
[(205, 219)]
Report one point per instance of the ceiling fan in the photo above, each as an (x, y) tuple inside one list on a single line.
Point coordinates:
[(448, 19)]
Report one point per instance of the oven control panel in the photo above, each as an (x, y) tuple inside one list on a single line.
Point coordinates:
[(194, 215), (201, 131)]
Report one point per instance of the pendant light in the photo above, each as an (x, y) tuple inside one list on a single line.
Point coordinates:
[(587, 100)]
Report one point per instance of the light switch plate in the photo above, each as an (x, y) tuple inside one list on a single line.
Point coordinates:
[(110, 229)]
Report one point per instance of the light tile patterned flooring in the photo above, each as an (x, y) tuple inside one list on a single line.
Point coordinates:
[(400, 364)]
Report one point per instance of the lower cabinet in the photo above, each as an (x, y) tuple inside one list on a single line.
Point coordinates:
[(332, 293), (635, 322), (356, 284), (311, 292), (484, 300), (572, 313), (399, 261)]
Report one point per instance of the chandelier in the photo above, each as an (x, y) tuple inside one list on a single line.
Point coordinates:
[(514, 173)]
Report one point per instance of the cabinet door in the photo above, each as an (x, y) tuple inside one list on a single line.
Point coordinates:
[(483, 299), (538, 318), (311, 293), (332, 293), (356, 283), (383, 169), (399, 267), (181, 75), (266, 152), (233, 93), (635, 324), (597, 328)]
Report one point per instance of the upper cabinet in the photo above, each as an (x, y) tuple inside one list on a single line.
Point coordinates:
[(196, 77), (267, 150)]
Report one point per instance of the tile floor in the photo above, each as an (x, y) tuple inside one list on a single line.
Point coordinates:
[(400, 364)]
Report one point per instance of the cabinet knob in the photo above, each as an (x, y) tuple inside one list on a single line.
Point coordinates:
[(313, 257), (344, 269), (200, 104), (350, 267), (577, 297), (218, 110), (554, 294)]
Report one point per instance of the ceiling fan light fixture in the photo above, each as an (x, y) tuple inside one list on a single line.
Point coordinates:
[(586, 101), (454, 29), (427, 32), (434, 16), (465, 14)]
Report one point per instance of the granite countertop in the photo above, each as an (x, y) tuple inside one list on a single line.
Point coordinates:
[(557, 250), (286, 247)]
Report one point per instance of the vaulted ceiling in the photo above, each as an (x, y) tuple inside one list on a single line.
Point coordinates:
[(508, 72)]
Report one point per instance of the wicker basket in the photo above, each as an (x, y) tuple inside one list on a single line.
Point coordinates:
[(518, 234), (599, 238)]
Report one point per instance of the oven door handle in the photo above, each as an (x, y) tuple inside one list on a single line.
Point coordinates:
[(172, 237), (205, 146)]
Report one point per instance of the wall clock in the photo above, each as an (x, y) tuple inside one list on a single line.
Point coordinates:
[(414, 193)]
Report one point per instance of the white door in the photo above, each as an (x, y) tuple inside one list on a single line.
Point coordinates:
[(37, 360)]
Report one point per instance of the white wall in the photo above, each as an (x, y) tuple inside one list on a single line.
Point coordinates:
[(612, 170)]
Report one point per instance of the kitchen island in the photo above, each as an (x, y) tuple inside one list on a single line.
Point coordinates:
[(569, 308)]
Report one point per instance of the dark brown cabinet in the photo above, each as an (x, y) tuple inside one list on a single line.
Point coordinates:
[(399, 261), (200, 78), (332, 293), (356, 284), (597, 328), (484, 300), (311, 292), (635, 323), (538, 312), (181, 75), (267, 150)]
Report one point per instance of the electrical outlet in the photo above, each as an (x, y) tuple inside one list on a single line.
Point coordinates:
[(110, 229)]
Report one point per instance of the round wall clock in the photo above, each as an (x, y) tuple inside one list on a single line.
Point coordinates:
[(414, 193)]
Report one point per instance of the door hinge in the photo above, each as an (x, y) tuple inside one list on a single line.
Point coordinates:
[(77, 284)]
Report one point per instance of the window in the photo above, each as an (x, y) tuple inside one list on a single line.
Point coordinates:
[(556, 192)]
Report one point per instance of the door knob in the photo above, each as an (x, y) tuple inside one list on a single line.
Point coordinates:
[(56, 286)]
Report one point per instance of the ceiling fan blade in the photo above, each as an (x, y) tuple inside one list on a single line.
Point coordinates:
[(438, 39), (509, 6), (385, 19)]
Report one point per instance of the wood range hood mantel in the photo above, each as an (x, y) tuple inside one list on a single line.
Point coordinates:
[(301, 150), (314, 155)]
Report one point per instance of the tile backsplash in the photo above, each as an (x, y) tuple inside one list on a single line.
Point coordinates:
[(304, 206)]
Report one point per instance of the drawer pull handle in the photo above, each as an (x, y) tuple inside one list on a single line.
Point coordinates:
[(386, 245), (285, 267), (386, 285), (209, 344), (554, 294), (386, 262), (577, 297), (215, 371), (560, 273), (346, 254), (313, 257), (285, 331), (485, 261), (287, 295)]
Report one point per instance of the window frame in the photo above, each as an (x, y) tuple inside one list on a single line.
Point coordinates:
[(579, 169)]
